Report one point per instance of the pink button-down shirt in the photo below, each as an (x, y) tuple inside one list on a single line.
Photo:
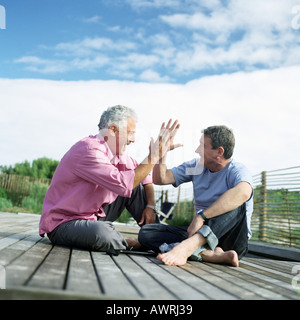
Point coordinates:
[(87, 177)]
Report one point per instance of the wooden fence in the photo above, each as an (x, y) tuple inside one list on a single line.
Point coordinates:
[(19, 186), (276, 215)]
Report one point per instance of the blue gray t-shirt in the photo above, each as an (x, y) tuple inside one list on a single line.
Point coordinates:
[(209, 186)]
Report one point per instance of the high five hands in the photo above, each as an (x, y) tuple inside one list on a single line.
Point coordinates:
[(165, 141)]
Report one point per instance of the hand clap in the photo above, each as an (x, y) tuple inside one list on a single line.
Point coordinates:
[(165, 141)]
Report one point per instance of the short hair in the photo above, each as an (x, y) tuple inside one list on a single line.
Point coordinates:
[(221, 136), (117, 115)]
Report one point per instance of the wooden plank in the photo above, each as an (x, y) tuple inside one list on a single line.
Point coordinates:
[(10, 253), (144, 283), (127, 228), (253, 289), (81, 274), (208, 290), (21, 269), (36, 269), (272, 272), (280, 289), (222, 287), (11, 239), (284, 267), (16, 223), (274, 251), (27, 293), (52, 273), (165, 275), (273, 285), (114, 282), (207, 284)]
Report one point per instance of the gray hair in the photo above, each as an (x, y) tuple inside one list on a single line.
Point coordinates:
[(117, 115)]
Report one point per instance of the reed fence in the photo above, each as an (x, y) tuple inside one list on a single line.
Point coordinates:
[(276, 214), (19, 187)]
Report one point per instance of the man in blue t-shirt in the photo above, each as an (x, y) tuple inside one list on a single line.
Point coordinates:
[(223, 201)]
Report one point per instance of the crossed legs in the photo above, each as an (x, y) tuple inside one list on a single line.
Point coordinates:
[(179, 255), (230, 231), (101, 235)]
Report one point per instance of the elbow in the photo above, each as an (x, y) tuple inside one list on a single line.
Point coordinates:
[(246, 192)]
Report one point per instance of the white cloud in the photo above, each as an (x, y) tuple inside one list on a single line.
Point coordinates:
[(45, 117), (46, 66), (152, 76), (93, 19), (146, 4), (195, 37), (89, 46), (265, 36)]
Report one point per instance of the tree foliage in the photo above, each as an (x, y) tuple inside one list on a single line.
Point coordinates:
[(40, 168)]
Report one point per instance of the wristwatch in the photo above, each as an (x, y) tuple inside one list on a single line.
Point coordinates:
[(151, 207), (201, 213)]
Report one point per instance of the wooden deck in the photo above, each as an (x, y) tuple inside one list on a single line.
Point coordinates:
[(35, 269)]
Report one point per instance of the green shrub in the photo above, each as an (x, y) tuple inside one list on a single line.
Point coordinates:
[(35, 200), (124, 217), (5, 203), (3, 193)]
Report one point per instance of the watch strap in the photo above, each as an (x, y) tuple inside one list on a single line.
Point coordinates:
[(151, 207), (201, 213)]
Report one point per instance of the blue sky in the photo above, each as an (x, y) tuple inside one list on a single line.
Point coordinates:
[(171, 41), (205, 62)]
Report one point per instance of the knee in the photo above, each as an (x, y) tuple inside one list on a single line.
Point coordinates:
[(148, 234), (106, 237)]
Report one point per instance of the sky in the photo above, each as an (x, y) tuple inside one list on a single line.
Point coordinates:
[(203, 62)]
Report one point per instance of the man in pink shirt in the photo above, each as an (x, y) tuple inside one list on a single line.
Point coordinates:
[(96, 180)]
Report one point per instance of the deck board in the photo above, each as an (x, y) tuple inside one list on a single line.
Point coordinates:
[(35, 269)]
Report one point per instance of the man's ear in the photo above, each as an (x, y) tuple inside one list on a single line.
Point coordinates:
[(113, 129), (221, 151)]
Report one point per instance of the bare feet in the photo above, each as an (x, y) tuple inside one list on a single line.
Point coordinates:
[(178, 256)]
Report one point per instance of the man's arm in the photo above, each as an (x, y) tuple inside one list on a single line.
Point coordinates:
[(149, 214), (230, 200), (161, 175), (149, 194), (141, 171)]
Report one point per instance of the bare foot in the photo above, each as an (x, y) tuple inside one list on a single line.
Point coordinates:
[(219, 256), (232, 258), (176, 257), (133, 244)]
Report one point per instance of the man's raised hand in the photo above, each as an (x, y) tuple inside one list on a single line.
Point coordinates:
[(172, 131), (165, 141)]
